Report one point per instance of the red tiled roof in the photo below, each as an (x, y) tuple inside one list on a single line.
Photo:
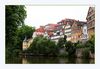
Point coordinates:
[(51, 27), (40, 30)]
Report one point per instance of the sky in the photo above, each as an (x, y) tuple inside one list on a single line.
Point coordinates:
[(41, 15)]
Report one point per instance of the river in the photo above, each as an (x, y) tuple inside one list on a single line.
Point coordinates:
[(49, 60)]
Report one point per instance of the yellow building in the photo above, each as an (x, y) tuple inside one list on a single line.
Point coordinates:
[(77, 31), (27, 43), (91, 21)]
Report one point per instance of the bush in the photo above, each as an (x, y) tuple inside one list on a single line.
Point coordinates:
[(44, 46), (70, 48), (79, 45), (91, 44), (60, 43)]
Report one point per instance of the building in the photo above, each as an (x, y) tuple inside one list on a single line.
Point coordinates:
[(91, 21), (78, 31), (74, 30), (66, 28), (52, 31), (84, 37), (49, 28), (39, 32), (26, 43)]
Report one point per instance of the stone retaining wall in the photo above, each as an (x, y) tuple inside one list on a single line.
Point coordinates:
[(79, 53)]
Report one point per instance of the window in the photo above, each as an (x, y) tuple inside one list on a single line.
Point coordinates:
[(84, 30), (58, 33), (89, 18)]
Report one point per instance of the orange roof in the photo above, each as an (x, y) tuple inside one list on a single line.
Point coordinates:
[(40, 30), (52, 27)]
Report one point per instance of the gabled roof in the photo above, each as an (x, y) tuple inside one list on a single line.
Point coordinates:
[(67, 20), (41, 29), (52, 27), (81, 23), (90, 8)]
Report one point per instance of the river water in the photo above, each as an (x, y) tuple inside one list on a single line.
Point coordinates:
[(49, 60)]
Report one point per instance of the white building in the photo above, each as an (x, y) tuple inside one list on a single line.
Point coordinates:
[(85, 33), (68, 32)]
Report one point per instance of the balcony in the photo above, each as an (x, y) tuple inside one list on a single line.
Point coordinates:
[(55, 37), (69, 30)]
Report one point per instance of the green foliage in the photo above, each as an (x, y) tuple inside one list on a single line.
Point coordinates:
[(15, 15), (25, 31), (44, 46), (70, 48), (60, 42), (79, 45), (91, 44), (92, 47)]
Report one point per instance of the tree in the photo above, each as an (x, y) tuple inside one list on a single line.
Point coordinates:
[(44, 46), (70, 48), (60, 43), (15, 15), (79, 45), (91, 44), (65, 38), (24, 32)]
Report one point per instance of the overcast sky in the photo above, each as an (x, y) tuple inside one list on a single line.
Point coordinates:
[(42, 15)]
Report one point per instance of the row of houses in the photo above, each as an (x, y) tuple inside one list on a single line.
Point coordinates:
[(74, 30)]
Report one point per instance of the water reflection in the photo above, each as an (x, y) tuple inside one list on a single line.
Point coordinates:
[(39, 60), (56, 60), (14, 60), (48, 60), (24, 61)]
